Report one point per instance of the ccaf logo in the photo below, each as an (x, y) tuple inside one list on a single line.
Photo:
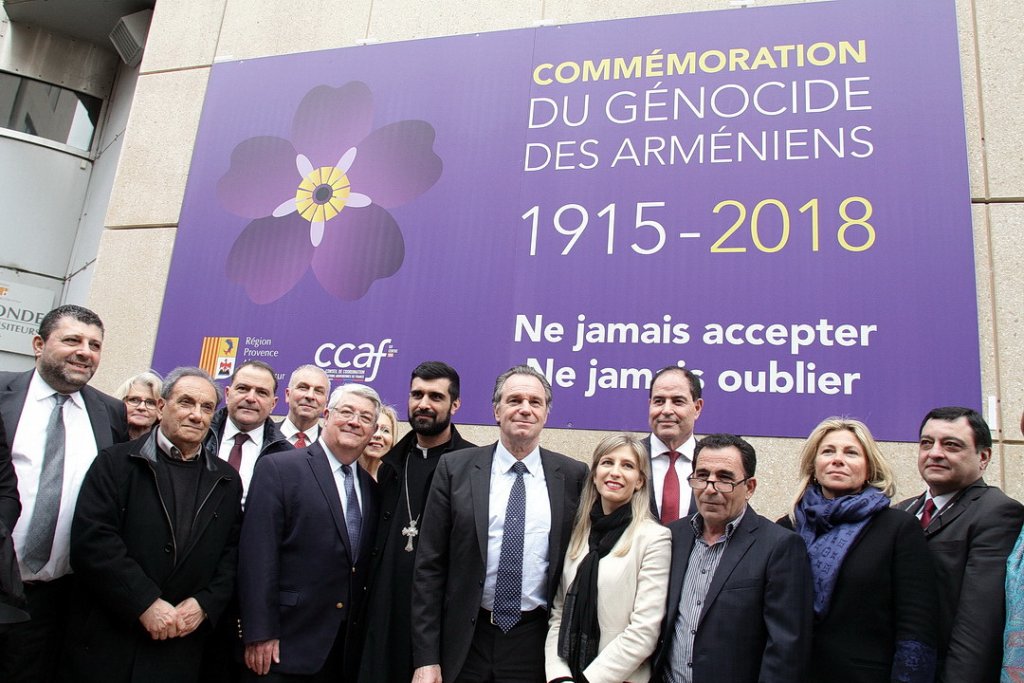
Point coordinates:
[(218, 356), (364, 359)]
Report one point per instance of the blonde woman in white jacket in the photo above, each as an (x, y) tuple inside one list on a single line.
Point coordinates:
[(607, 614)]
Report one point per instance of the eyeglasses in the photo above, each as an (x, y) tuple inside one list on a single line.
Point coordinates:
[(346, 415), (134, 402), (701, 483)]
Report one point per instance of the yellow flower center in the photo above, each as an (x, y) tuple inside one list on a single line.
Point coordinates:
[(322, 194)]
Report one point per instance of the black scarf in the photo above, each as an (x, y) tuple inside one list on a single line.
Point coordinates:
[(580, 633)]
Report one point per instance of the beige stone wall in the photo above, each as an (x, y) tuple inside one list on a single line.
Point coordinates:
[(188, 36)]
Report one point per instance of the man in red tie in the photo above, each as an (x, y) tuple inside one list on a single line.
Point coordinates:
[(971, 528), (306, 396), (243, 432), (675, 404)]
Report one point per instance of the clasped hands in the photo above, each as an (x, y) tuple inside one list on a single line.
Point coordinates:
[(162, 620)]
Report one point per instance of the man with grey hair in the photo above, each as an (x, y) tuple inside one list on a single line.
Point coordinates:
[(306, 396), (495, 530), (305, 546), (154, 543)]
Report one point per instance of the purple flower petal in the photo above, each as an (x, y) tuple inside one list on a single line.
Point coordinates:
[(396, 163), (261, 176), (359, 247), (270, 257), (331, 120)]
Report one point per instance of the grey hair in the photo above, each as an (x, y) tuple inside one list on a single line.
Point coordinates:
[(363, 390), (499, 384), (308, 366), (187, 371), (149, 379)]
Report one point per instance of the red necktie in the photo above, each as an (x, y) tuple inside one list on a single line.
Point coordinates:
[(929, 510), (235, 457), (300, 440), (670, 493)]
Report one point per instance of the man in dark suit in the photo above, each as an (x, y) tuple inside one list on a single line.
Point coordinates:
[(674, 405), (971, 528), (740, 596), (306, 540), (55, 400), (492, 544), (155, 546)]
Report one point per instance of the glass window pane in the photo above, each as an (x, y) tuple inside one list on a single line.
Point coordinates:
[(48, 111)]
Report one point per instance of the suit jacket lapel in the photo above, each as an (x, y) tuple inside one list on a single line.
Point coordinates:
[(955, 508), (98, 417), (741, 541), (480, 485), (12, 401), (682, 545), (317, 459), (557, 495)]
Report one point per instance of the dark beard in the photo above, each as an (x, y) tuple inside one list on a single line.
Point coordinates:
[(436, 425)]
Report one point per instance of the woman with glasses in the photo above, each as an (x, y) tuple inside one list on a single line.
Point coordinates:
[(874, 586), (607, 614), (139, 394)]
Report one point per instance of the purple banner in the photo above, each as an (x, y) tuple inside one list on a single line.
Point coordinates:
[(776, 198)]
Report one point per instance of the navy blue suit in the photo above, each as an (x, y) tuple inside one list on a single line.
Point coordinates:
[(297, 580)]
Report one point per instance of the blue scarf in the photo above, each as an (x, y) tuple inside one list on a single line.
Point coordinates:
[(829, 528)]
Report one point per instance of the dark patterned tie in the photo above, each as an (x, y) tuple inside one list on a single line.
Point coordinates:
[(508, 586), (51, 482), (353, 515)]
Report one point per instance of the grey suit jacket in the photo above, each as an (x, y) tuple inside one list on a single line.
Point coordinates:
[(451, 562), (106, 413), (969, 540), (755, 624)]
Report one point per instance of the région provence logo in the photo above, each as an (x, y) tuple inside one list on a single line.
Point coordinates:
[(320, 199)]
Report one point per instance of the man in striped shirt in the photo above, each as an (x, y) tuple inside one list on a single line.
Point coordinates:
[(739, 600)]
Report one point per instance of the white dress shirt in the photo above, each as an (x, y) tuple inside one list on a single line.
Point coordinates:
[(940, 503), (536, 532), (290, 432), (250, 451), (27, 455), (339, 479), (684, 468)]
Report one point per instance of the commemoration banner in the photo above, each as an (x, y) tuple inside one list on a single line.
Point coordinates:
[(775, 197)]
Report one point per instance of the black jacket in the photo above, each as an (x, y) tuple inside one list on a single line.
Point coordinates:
[(883, 607), (387, 654), (124, 556), (273, 440)]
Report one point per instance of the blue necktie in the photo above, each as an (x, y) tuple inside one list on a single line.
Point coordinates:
[(508, 586), (353, 515), (43, 526)]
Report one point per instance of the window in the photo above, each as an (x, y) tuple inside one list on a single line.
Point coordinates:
[(48, 111)]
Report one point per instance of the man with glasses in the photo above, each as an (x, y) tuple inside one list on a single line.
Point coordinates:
[(739, 599), (306, 542)]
